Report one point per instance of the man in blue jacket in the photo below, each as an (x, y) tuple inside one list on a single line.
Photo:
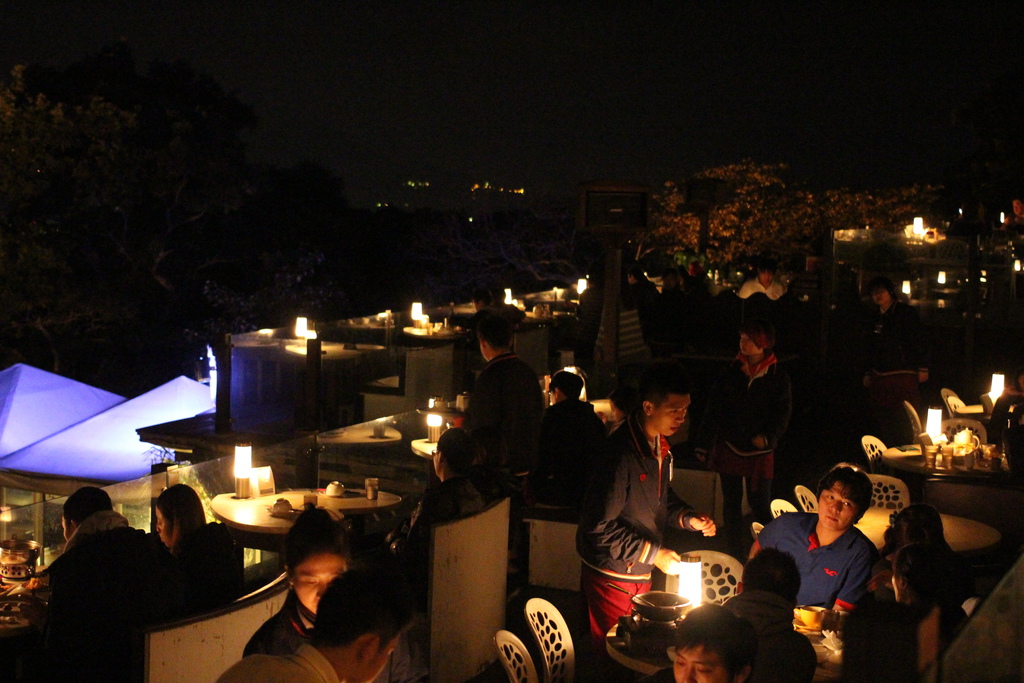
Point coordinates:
[(629, 503)]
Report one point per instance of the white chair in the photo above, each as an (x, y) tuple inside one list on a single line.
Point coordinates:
[(873, 449), (755, 529), (720, 573), (888, 492), (554, 640), (515, 658), (956, 424), (953, 402), (808, 501), (970, 604), (915, 419), (780, 505)]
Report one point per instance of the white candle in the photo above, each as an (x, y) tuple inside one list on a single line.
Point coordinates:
[(933, 426)]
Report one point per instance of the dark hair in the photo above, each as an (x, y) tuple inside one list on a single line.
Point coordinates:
[(495, 330), (767, 264), (661, 379), (637, 271), (458, 449), (881, 282), (625, 398), (84, 502), (761, 332), (482, 295), (570, 383), (718, 630), (182, 510), (773, 571), (855, 483), (917, 523), (925, 569), (490, 447), (360, 601), (315, 532)]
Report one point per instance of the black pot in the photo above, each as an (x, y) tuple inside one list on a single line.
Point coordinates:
[(660, 606)]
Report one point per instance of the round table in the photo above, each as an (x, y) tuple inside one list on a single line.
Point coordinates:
[(361, 434), (429, 334), (909, 459), (646, 665), (963, 535), (424, 448)]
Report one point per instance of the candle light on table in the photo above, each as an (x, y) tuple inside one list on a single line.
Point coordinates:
[(581, 285), (508, 295), (434, 423), (998, 384), (243, 470), (933, 425), (906, 287), (301, 327), (942, 277)]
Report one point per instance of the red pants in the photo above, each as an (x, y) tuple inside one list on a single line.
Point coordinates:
[(605, 604)]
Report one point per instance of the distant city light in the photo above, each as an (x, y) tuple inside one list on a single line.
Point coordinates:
[(487, 186)]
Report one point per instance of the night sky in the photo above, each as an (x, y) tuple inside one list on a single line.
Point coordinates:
[(544, 95)]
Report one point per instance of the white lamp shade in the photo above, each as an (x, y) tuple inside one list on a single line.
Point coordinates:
[(919, 225), (243, 461), (508, 296), (434, 420), (998, 384), (581, 285), (417, 311), (906, 287), (942, 277), (301, 327), (934, 424), (691, 582)]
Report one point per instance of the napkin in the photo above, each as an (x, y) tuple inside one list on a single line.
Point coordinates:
[(831, 640)]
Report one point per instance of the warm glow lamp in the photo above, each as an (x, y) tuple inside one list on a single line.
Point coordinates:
[(301, 327), (691, 581), (243, 470), (942, 277), (581, 285), (933, 425), (508, 296), (5, 514), (434, 423), (998, 384), (417, 311), (906, 287), (919, 225)]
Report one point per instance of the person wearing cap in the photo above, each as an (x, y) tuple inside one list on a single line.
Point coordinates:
[(572, 438), (747, 413)]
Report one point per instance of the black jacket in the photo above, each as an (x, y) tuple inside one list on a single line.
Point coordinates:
[(896, 340), (572, 439), (741, 408), (627, 505), (507, 395), (213, 571)]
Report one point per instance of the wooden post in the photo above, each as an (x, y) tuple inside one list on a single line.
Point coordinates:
[(222, 352)]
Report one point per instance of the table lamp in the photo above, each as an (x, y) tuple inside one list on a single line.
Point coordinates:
[(243, 470), (691, 580), (434, 424), (581, 285)]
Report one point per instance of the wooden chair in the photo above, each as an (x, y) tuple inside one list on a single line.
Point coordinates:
[(554, 640), (515, 658), (466, 595), (888, 492), (755, 529), (956, 424), (808, 501), (873, 449), (720, 573), (915, 419), (780, 505)]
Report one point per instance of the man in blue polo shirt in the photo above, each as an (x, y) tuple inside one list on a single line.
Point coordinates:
[(834, 557)]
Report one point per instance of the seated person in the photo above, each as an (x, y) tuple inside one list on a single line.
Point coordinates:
[(712, 646), (918, 523), (205, 552), (572, 438), (1012, 395), (360, 617), (764, 282), (767, 596), (316, 551), (833, 556), (110, 580), (921, 578), (454, 497)]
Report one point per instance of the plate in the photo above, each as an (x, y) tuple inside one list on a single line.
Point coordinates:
[(800, 628)]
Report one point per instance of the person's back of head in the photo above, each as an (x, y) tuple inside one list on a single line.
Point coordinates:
[(773, 571), (482, 297), (315, 532), (661, 379), (921, 575), (569, 383), (854, 483), (625, 398), (717, 630), (496, 331), (362, 611), (84, 502), (458, 450), (917, 523)]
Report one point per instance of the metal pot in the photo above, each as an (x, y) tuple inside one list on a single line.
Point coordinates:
[(660, 605), (18, 558)]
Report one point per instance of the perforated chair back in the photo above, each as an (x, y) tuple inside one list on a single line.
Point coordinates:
[(953, 425), (915, 419), (873, 449), (554, 640), (888, 492), (720, 573), (808, 501), (780, 505), (755, 529), (953, 402), (515, 658)]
